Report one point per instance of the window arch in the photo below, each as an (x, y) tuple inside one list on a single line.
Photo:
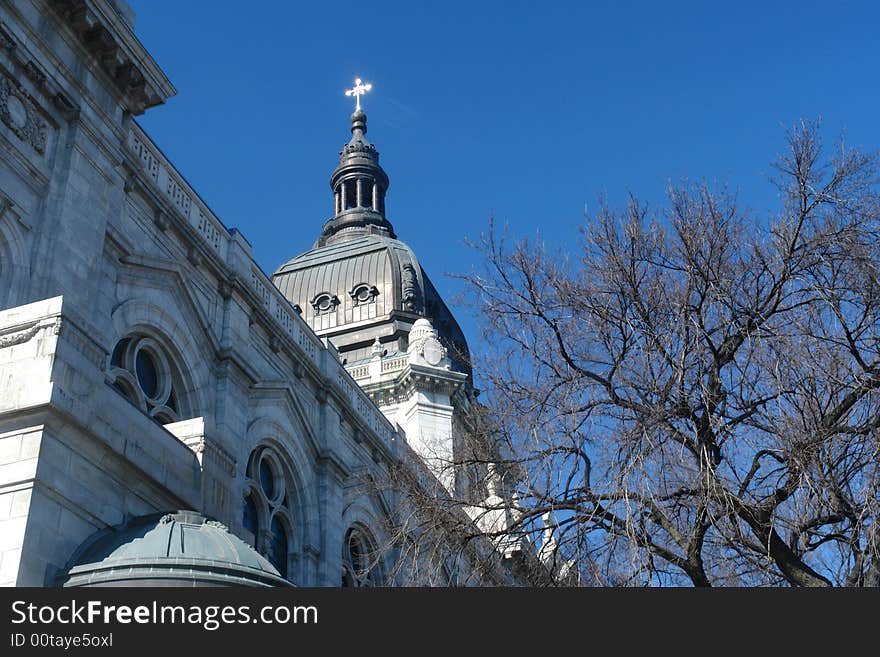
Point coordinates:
[(250, 515), (266, 512), (279, 545), (360, 564), (144, 372)]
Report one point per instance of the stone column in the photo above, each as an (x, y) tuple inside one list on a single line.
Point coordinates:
[(342, 199), (375, 197), (360, 193)]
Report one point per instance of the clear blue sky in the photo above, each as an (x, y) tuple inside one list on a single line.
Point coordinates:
[(528, 110)]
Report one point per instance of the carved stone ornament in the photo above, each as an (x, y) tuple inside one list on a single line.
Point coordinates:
[(357, 146), (217, 524), (19, 337), (433, 352), (409, 288), (18, 112)]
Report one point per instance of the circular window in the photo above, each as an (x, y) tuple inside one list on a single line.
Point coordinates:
[(141, 370), (364, 294), (147, 373), (325, 303)]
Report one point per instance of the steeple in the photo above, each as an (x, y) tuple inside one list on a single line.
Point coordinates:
[(359, 185)]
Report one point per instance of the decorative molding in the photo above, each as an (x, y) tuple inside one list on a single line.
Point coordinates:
[(194, 255), (32, 70), (19, 337), (118, 53), (20, 114), (226, 286), (161, 220), (6, 40)]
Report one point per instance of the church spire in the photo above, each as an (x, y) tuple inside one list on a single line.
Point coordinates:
[(359, 183)]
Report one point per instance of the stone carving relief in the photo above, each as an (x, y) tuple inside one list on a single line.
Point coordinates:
[(19, 337), (409, 288), (19, 113)]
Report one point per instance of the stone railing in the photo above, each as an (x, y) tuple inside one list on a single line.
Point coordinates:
[(215, 235), (288, 319), (359, 372), (364, 406), (172, 185), (394, 364), (390, 364)]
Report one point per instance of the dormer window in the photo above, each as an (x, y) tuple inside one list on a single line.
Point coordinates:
[(325, 303), (364, 294)]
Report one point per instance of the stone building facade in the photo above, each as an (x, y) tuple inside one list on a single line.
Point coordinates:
[(153, 379)]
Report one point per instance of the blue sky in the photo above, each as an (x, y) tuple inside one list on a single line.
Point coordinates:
[(525, 110)]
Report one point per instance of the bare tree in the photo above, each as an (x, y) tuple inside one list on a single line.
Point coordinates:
[(691, 398), (694, 396)]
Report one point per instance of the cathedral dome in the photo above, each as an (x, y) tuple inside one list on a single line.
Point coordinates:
[(360, 284), (368, 287), (169, 549)]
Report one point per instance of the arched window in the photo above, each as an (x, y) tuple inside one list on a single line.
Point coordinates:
[(145, 374), (250, 519), (278, 549), (359, 560), (267, 498)]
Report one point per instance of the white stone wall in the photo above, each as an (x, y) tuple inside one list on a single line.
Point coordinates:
[(106, 238), (100, 239)]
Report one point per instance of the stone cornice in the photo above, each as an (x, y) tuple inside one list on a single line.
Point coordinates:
[(136, 76), (412, 378)]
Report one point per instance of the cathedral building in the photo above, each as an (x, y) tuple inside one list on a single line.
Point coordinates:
[(169, 414)]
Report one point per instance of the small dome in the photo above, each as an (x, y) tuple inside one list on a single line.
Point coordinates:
[(169, 549), (421, 328)]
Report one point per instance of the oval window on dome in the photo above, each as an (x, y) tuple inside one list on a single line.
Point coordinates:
[(364, 293), (325, 303)]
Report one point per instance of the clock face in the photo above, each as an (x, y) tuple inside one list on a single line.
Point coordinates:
[(433, 351)]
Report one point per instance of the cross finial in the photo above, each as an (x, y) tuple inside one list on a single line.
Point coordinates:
[(359, 90)]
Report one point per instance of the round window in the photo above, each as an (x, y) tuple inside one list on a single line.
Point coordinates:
[(147, 373), (142, 371)]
